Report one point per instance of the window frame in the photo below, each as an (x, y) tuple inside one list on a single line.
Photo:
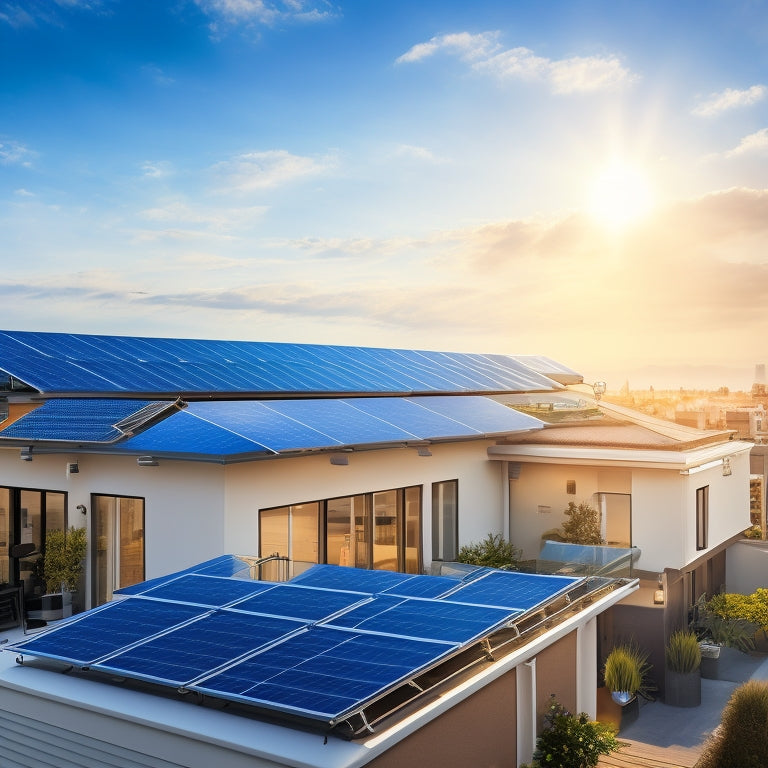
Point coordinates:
[(702, 518), (405, 496), (439, 522)]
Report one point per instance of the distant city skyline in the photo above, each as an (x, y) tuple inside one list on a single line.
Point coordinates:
[(579, 179)]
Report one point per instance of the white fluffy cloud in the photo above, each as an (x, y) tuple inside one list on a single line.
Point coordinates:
[(730, 98), (578, 74), (469, 47), (755, 143)]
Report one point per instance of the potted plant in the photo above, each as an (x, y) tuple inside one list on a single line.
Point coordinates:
[(716, 631), (682, 676), (625, 673), (62, 568)]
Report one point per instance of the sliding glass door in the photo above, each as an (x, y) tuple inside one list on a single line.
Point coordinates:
[(118, 544)]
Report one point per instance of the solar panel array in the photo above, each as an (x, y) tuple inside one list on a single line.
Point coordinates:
[(78, 363), (87, 420), (228, 428), (321, 647)]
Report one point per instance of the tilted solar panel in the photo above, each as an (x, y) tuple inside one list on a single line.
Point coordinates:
[(187, 652), (511, 589), (206, 590), (322, 647), (324, 673), (437, 620), (62, 363)]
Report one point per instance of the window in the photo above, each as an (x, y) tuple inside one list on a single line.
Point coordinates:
[(702, 516), (25, 517), (290, 532), (445, 520), (118, 544), (380, 530)]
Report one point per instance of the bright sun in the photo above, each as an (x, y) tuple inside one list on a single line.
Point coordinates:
[(621, 194)]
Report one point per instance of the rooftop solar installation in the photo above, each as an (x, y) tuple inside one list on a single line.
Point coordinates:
[(249, 427), (60, 363), (320, 649)]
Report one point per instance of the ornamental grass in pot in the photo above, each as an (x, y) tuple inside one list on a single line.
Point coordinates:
[(625, 672), (682, 676)]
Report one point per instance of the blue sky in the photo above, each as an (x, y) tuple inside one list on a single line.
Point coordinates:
[(585, 180)]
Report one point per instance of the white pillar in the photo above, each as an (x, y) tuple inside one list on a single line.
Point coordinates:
[(526, 711), (586, 668)]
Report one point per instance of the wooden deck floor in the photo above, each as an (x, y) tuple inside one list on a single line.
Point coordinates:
[(639, 755)]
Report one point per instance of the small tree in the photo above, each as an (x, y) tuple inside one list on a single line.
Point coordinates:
[(63, 560), (582, 525)]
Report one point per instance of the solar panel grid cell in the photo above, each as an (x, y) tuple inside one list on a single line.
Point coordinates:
[(211, 591), (511, 589), (325, 672), (193, 650), (301, 603), (440, 621), (105, 631)]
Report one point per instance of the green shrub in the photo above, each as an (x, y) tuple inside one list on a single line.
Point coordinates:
[(682, 653), (750, 608), (741, 741), (493, 552), (583, 524), (714, 621), (572, 741), (626, 669)]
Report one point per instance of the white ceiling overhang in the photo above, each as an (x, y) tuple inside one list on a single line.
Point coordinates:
[(679, 460)]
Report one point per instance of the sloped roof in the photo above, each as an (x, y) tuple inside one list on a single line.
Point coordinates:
[(59, 364), (619, 427)]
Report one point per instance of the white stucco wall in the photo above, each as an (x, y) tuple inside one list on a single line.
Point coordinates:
[(195, 511), (544, 485), (280, 482), (663, 505), (746, 566), (183, 502)]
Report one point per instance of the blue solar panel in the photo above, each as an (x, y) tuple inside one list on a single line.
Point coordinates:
[(436, 620), (511, 589), (104, 631), (57, 362), (198, 648), (224, 565), (325, 672), (355, 579), (301, 603), (327, 644), (210, 591), (185, 432), (221, 429), (93, 421)]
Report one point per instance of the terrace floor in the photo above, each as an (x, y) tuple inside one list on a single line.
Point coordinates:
[(673, 737)]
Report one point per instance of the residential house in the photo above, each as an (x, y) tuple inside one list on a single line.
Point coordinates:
[(172, 452)]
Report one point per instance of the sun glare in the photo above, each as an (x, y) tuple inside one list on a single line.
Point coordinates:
[(621, 195)]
